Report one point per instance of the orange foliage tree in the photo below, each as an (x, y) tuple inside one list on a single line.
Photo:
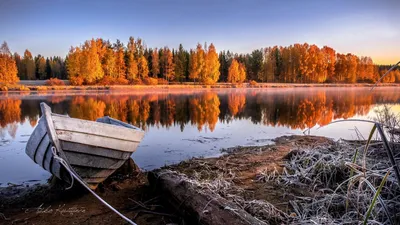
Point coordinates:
[(305, 63), (155, 63), (211, 66), (8, 67), (237, 72), (143, 68), (168, 65)]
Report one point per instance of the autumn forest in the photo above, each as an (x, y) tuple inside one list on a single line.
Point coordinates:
[(100, 62)]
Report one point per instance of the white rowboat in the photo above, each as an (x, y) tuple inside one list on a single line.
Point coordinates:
[(94, 149)]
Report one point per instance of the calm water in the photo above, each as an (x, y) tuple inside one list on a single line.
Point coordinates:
[(189, 124)]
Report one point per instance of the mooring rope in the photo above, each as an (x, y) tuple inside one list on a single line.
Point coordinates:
[(74, 175)]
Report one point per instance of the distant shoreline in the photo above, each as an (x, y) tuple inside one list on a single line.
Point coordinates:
[(39, 86)]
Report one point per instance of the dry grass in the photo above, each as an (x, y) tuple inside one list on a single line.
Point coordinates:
[(317, 183), (337, 197)]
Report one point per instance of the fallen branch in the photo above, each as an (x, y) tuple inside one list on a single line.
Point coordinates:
[(204, 205)]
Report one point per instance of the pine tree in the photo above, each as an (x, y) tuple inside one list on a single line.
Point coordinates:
[(256, 64), (148, 55), (55, 67), (181, 64), (41, 67), (48, 68), (278, 61), (223, 66)]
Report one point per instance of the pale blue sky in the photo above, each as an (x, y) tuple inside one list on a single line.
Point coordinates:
[(50, 27)]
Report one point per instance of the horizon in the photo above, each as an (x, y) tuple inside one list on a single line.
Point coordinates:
[(50, 28)]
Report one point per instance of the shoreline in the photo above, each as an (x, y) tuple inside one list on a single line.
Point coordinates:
[(24, 89)]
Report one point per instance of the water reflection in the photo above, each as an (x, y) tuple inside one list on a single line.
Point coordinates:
[(10, 114), (191, 124), (298, 109)]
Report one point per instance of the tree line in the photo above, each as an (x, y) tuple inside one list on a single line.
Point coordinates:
[(99, 61)]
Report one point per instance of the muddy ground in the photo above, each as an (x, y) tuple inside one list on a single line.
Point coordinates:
[(129, 191), (243, 165)]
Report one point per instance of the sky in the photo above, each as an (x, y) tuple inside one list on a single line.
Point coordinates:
[(51, 27)]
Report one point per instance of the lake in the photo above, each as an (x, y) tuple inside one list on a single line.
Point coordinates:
[(191, 123)]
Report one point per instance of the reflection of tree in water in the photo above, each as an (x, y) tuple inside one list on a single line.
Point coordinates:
[(296, 110), (204, 110), (10, 111), (182, 113), (236, 102), (134, 112), (57, 99), (10, 115), (171, 109), (312, 111), (33, 120), (87, 108), (308, 109), (117, 107)]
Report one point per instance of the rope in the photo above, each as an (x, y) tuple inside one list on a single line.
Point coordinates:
[(77, 177)]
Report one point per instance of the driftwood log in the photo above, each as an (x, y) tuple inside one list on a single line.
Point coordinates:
[(199, 206)]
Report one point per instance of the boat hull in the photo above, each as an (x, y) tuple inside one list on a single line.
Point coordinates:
[(38, 148), (93, 149)]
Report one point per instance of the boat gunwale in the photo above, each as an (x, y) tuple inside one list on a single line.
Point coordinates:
[(133, 129), (104, 136)]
